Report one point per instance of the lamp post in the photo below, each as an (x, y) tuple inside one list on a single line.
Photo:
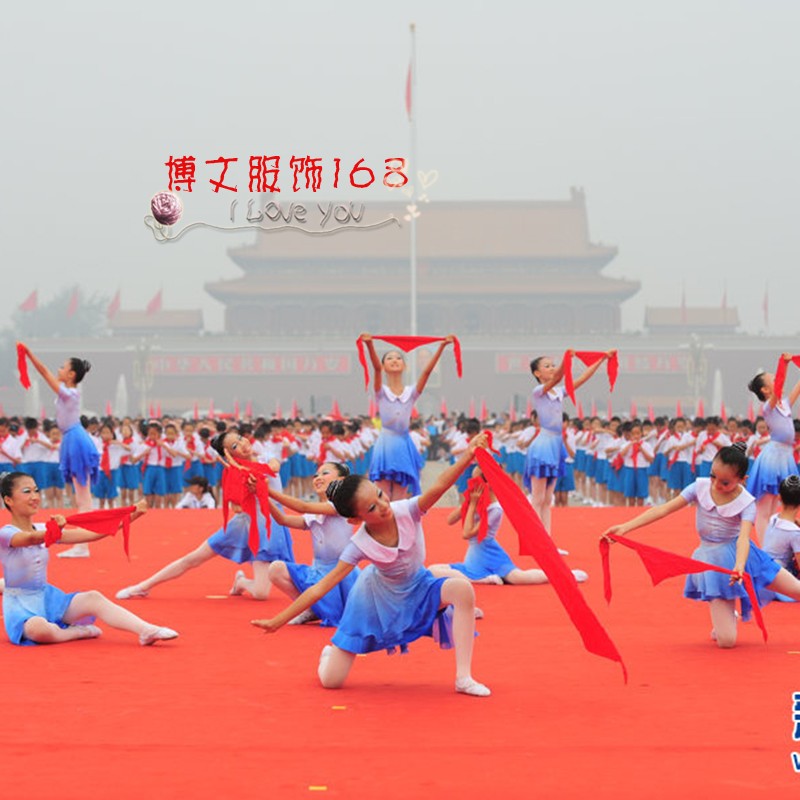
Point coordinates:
[(143, 373)]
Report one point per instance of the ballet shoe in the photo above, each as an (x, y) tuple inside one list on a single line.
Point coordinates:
[(130, 591), (235, 590), (580, 575), (303, 617), (156, 635), (471, 687), (76, 551)]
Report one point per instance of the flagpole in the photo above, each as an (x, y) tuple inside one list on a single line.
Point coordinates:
[(412, 172)]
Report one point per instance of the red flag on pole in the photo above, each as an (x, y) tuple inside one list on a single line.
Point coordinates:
[(211, 408), (484, 413), (72, 308), (196, 412), (236, 409), (278, 410), (651, 415), (109, 410), (701, 409), (723, 414), (443, 408), (152, 411), (751, 412), (155, 303), (512, 412), (248, 409), (335, 413), (31, 302), (295, 415), (594, 408), (678, 409), (113, 306), (471, 407), (634, 410), (158, 410), (580, 409)]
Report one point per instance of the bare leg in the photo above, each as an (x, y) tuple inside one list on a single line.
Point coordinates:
[(83, 503), (786, 583), (723, 618), (93, 603), (279, 576), (334, 666), (459, 593), (39, 630), (259, 585), (526, 576), (171, 571)]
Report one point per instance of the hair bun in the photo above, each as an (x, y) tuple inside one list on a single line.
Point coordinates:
[(740, 446), (333, 487), (792, 481)]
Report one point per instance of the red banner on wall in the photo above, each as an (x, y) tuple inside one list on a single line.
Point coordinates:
[(296, 364), (629, 363)]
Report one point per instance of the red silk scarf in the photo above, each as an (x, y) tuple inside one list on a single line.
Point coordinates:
[(780, 375), (662, 564), (407, 344), (236, 490), (589, 357), (105, 521), (535, 541), (22, 366), (481, 507)]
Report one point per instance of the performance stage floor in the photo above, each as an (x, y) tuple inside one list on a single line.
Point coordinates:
[(226, 711)]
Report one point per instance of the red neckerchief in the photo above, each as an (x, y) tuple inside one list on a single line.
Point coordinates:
[(151, 443), (674, 457), (236, 490), (589, 357), (168, 457), (105, 460), (407, 344), (126, 459), (105, 521), (22, 366), (780, 376), (323, 448), (535, 541), (482, 506), (662, 564)]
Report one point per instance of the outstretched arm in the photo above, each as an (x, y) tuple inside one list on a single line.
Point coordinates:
[(450, 475), (651, 515), (431, 365), (307, 598), (377, 367), (283, 519), (48, 376), (303, 506)]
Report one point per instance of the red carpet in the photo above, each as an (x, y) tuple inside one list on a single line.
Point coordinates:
[(227, 711)]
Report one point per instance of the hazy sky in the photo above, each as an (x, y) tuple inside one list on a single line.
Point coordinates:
[(679, 119)]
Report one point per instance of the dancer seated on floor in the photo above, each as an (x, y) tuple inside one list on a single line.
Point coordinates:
[(231, 542), (395, 599), (330, 534), (726, 512), (34, 612), (782, 536), (486, 561)]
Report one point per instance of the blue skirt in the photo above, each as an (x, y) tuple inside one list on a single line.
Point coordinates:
[(774, 463), (545, 456), (485, 558), (105, 488), (601, 470), (394, 458), (19, 605), (79, 458), (566, 483), (679, 475), (154, 481), (635, 482), (716, 585), (614, 479), (329, 608), (233, 542), (129, 476), (381, 614)]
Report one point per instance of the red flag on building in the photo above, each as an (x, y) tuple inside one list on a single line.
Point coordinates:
[(109, 410), (678, 409), (31, 302), (335, 413), (155, 304), (72, 308), (211, 408), (113, 306)]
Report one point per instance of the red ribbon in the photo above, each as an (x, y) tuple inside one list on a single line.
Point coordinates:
[(780, 375), (407, 344), (535, 541), (662, 564), (236, 489), (105, 521), (22, 366), (105, 460), (589, 357), (482, 507)]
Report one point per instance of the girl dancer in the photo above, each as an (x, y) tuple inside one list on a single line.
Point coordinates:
[(395, 600), (544, 461), (79, 457), (486, 561), (725, 515), (776, 460), (396, 464), (230, 543), (34, 612), (330, 533)]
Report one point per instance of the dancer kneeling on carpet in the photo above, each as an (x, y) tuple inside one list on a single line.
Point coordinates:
[(330, 534), (486, 561), (230, 542), (34, 612), (726, 512), (395, 599)]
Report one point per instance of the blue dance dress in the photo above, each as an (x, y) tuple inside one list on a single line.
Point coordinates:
[(487, 557)]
